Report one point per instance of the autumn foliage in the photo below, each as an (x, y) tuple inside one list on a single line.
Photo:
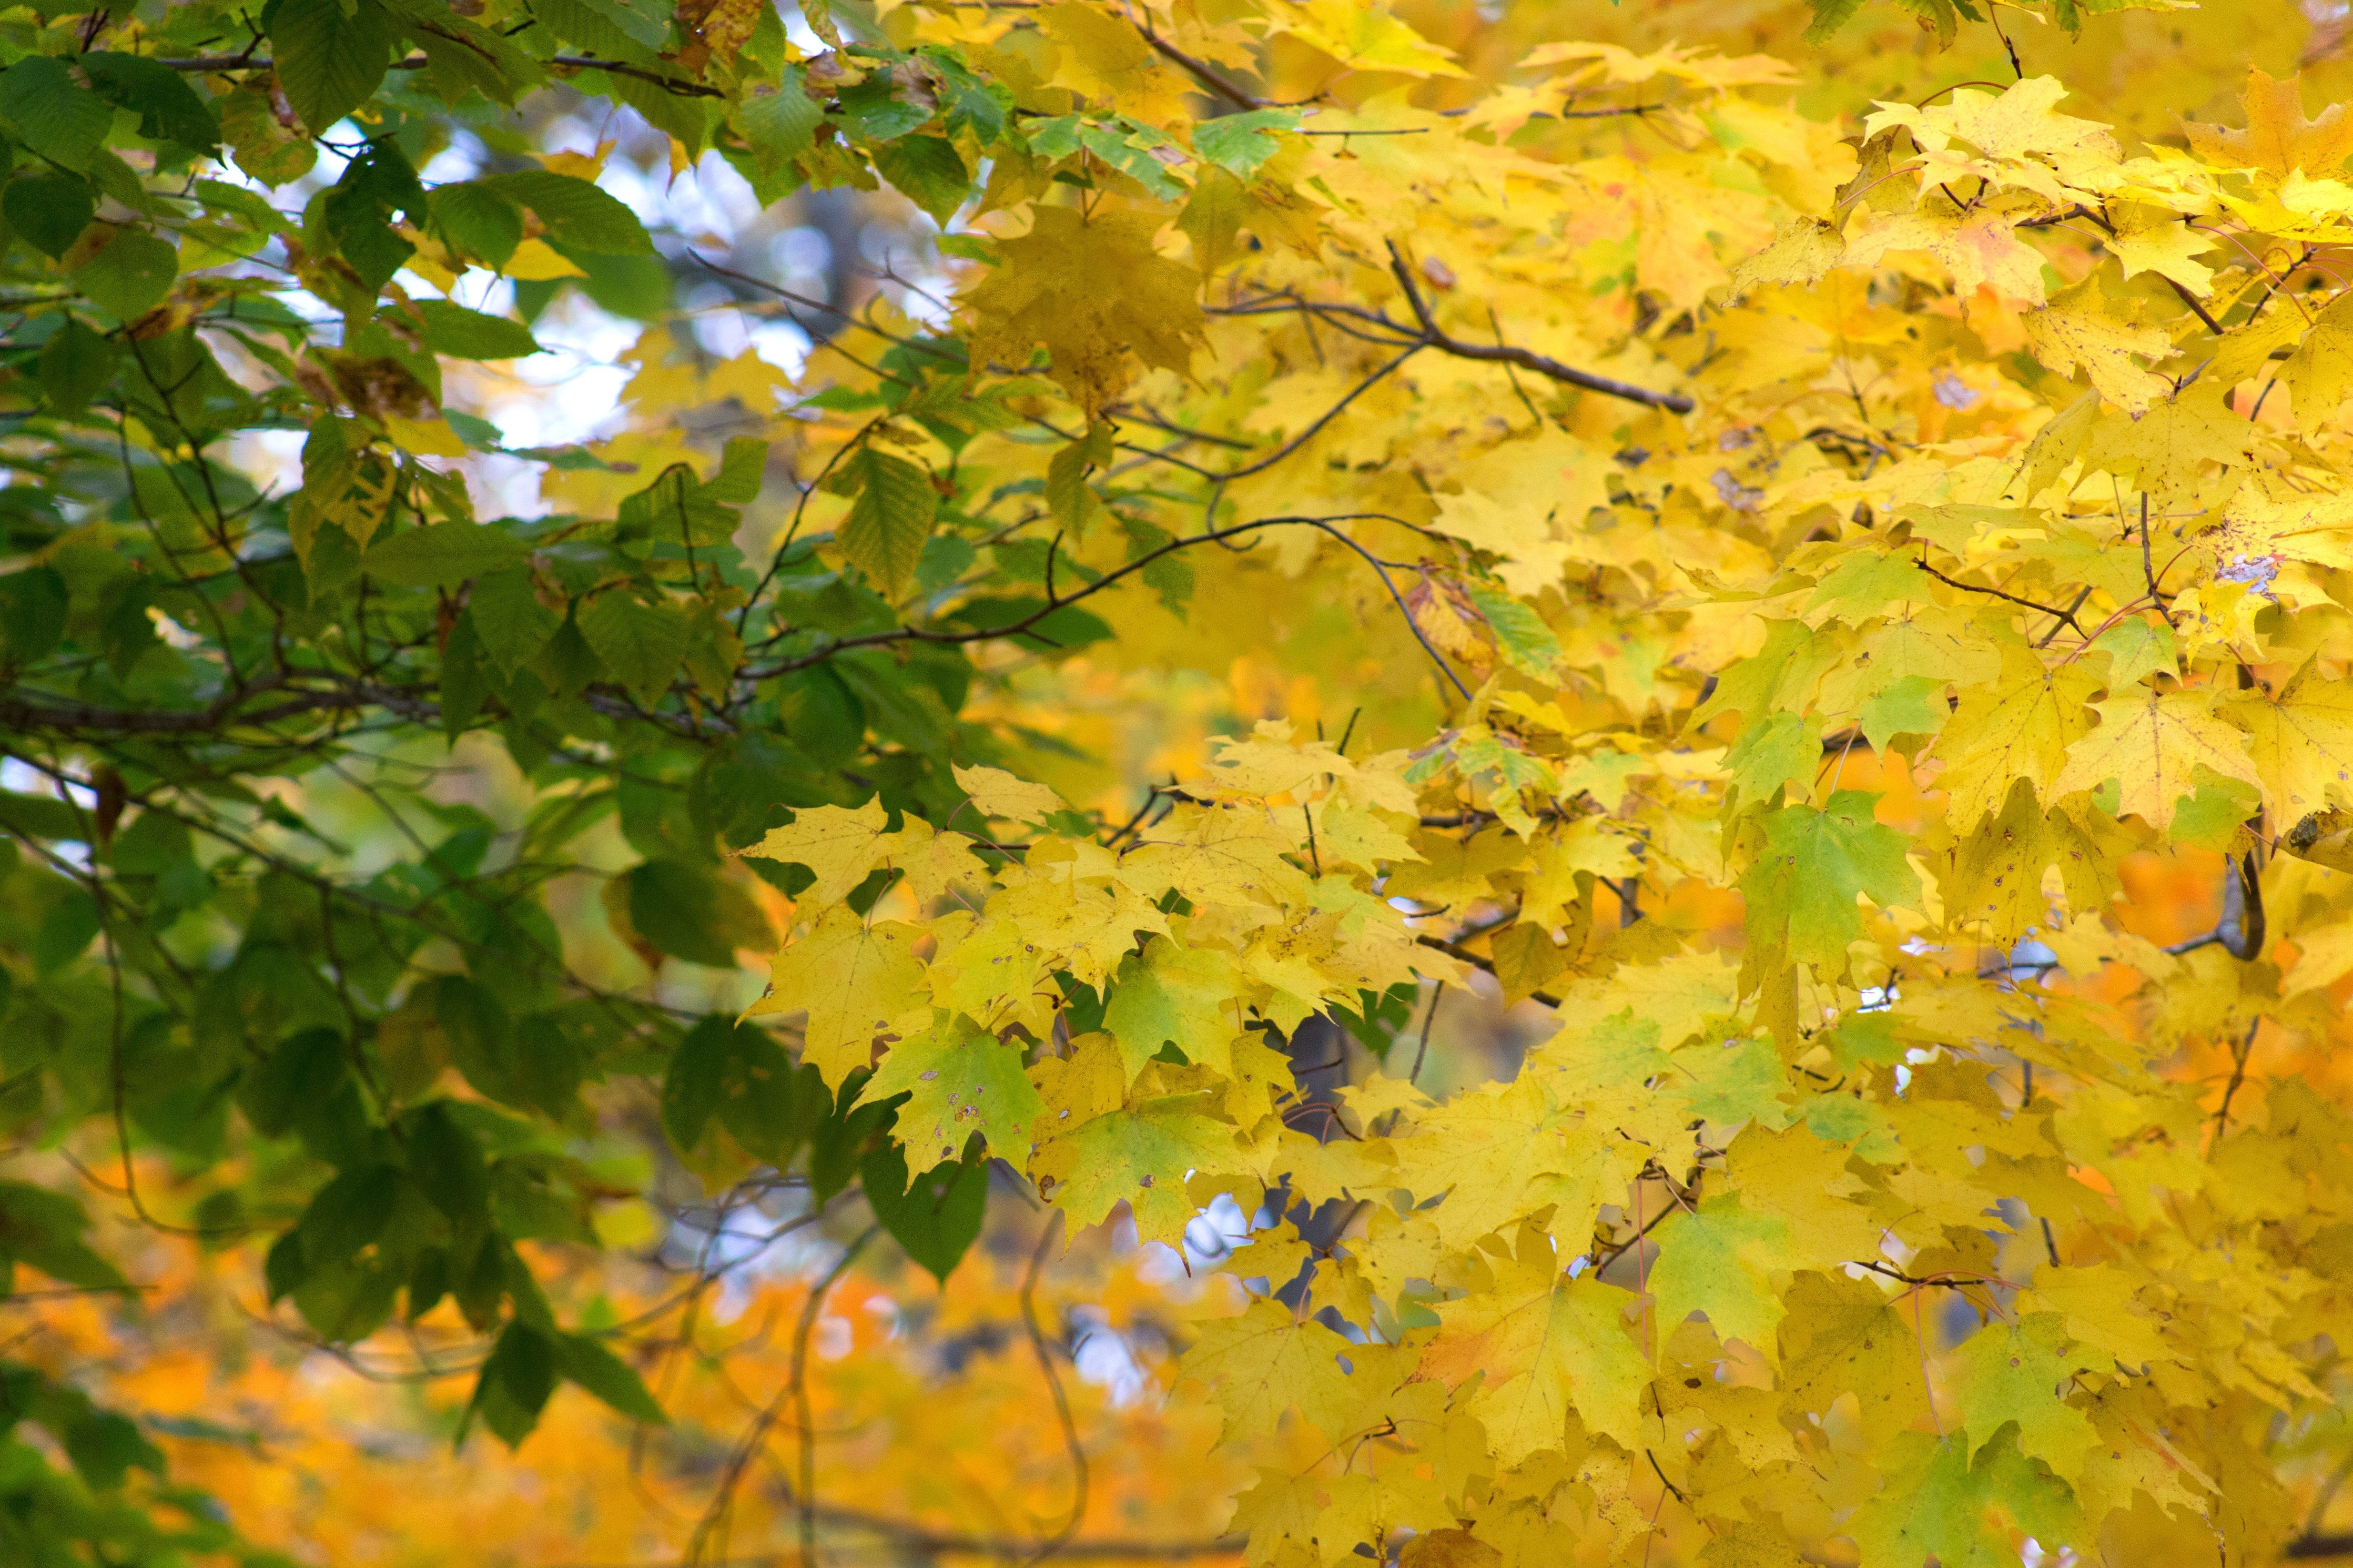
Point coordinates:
[(1474, 787)]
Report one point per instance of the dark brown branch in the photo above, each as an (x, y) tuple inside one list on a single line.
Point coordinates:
[(2315, 1545), (1204, 73), (1526, 358), (419, 62), (1211, 536), (2034, 604)]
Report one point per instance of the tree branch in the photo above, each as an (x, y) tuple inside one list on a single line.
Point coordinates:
[(1526, 358), (419, 62)]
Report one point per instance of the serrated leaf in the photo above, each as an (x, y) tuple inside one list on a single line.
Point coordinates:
[(641, 645), (461, 333), (959, 1079), (331, 55), (443, 554), (891, 516)]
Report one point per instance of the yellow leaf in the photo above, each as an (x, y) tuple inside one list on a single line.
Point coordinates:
[(2017, 726), (841, 845), (1804, 250), (2302, 745), (2151, 744), (429, 437), (534, 261), (2324, 957), (998, 793), (2320, 372), (1362, 35), (2277, 136), (1545, 1345), (1049, 289), (858, 982), (2077, 330), (2151, 239)]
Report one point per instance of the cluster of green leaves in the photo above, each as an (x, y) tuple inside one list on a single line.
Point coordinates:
[(190, 962)]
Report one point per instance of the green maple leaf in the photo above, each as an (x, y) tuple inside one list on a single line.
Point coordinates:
[(1175, 995), (2020, 1373), (1720, 1260), (1802, 888), (1139, 1155), (1937, 1503), (960, 1080)]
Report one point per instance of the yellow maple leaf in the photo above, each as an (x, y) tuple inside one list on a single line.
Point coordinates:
[(1980, 247), (2150, 240), (2277, 135), (1547, 1345), (2151, 744), (2301, 742), (2320, 372), (1366, 36), (1050, 289), (2018, 726), (858, 982), (1994, 874), (996, 793), (1804, 250), (2078, 330), (841, 845)]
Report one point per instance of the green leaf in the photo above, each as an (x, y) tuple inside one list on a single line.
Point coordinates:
[(2136, 646), (1777, 750), (104, 1446), (875, 114), (1241, 143), (936, 1217), (587, 1362), (1909, 705), (167, 107), (476, 221), (929, 170), (53, 115), (331, 56), (51, 210), (575, 213), (1140, 1156), (1068, 497), (515, 1384), (445, 1162), (779, 126), (1720, 1260), (641, 645), (459, 333), (1801, 889), (889, 518), (508, 616), (442, 554), (2020, 1373), (40, 1227), (77, 363), (1830, 15), (692, 913), (1935, 1504), (1061, 629), (1187, 997), (696, 1078), (33, 605), (1526, 643), (130, 275), (959, 1080)]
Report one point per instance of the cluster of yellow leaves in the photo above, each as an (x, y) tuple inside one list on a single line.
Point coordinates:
[(1877, 1183)]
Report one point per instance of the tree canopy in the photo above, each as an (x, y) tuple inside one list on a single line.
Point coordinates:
[(1275, 779)]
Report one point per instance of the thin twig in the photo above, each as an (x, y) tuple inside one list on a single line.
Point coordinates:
[(1078, 1452)]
